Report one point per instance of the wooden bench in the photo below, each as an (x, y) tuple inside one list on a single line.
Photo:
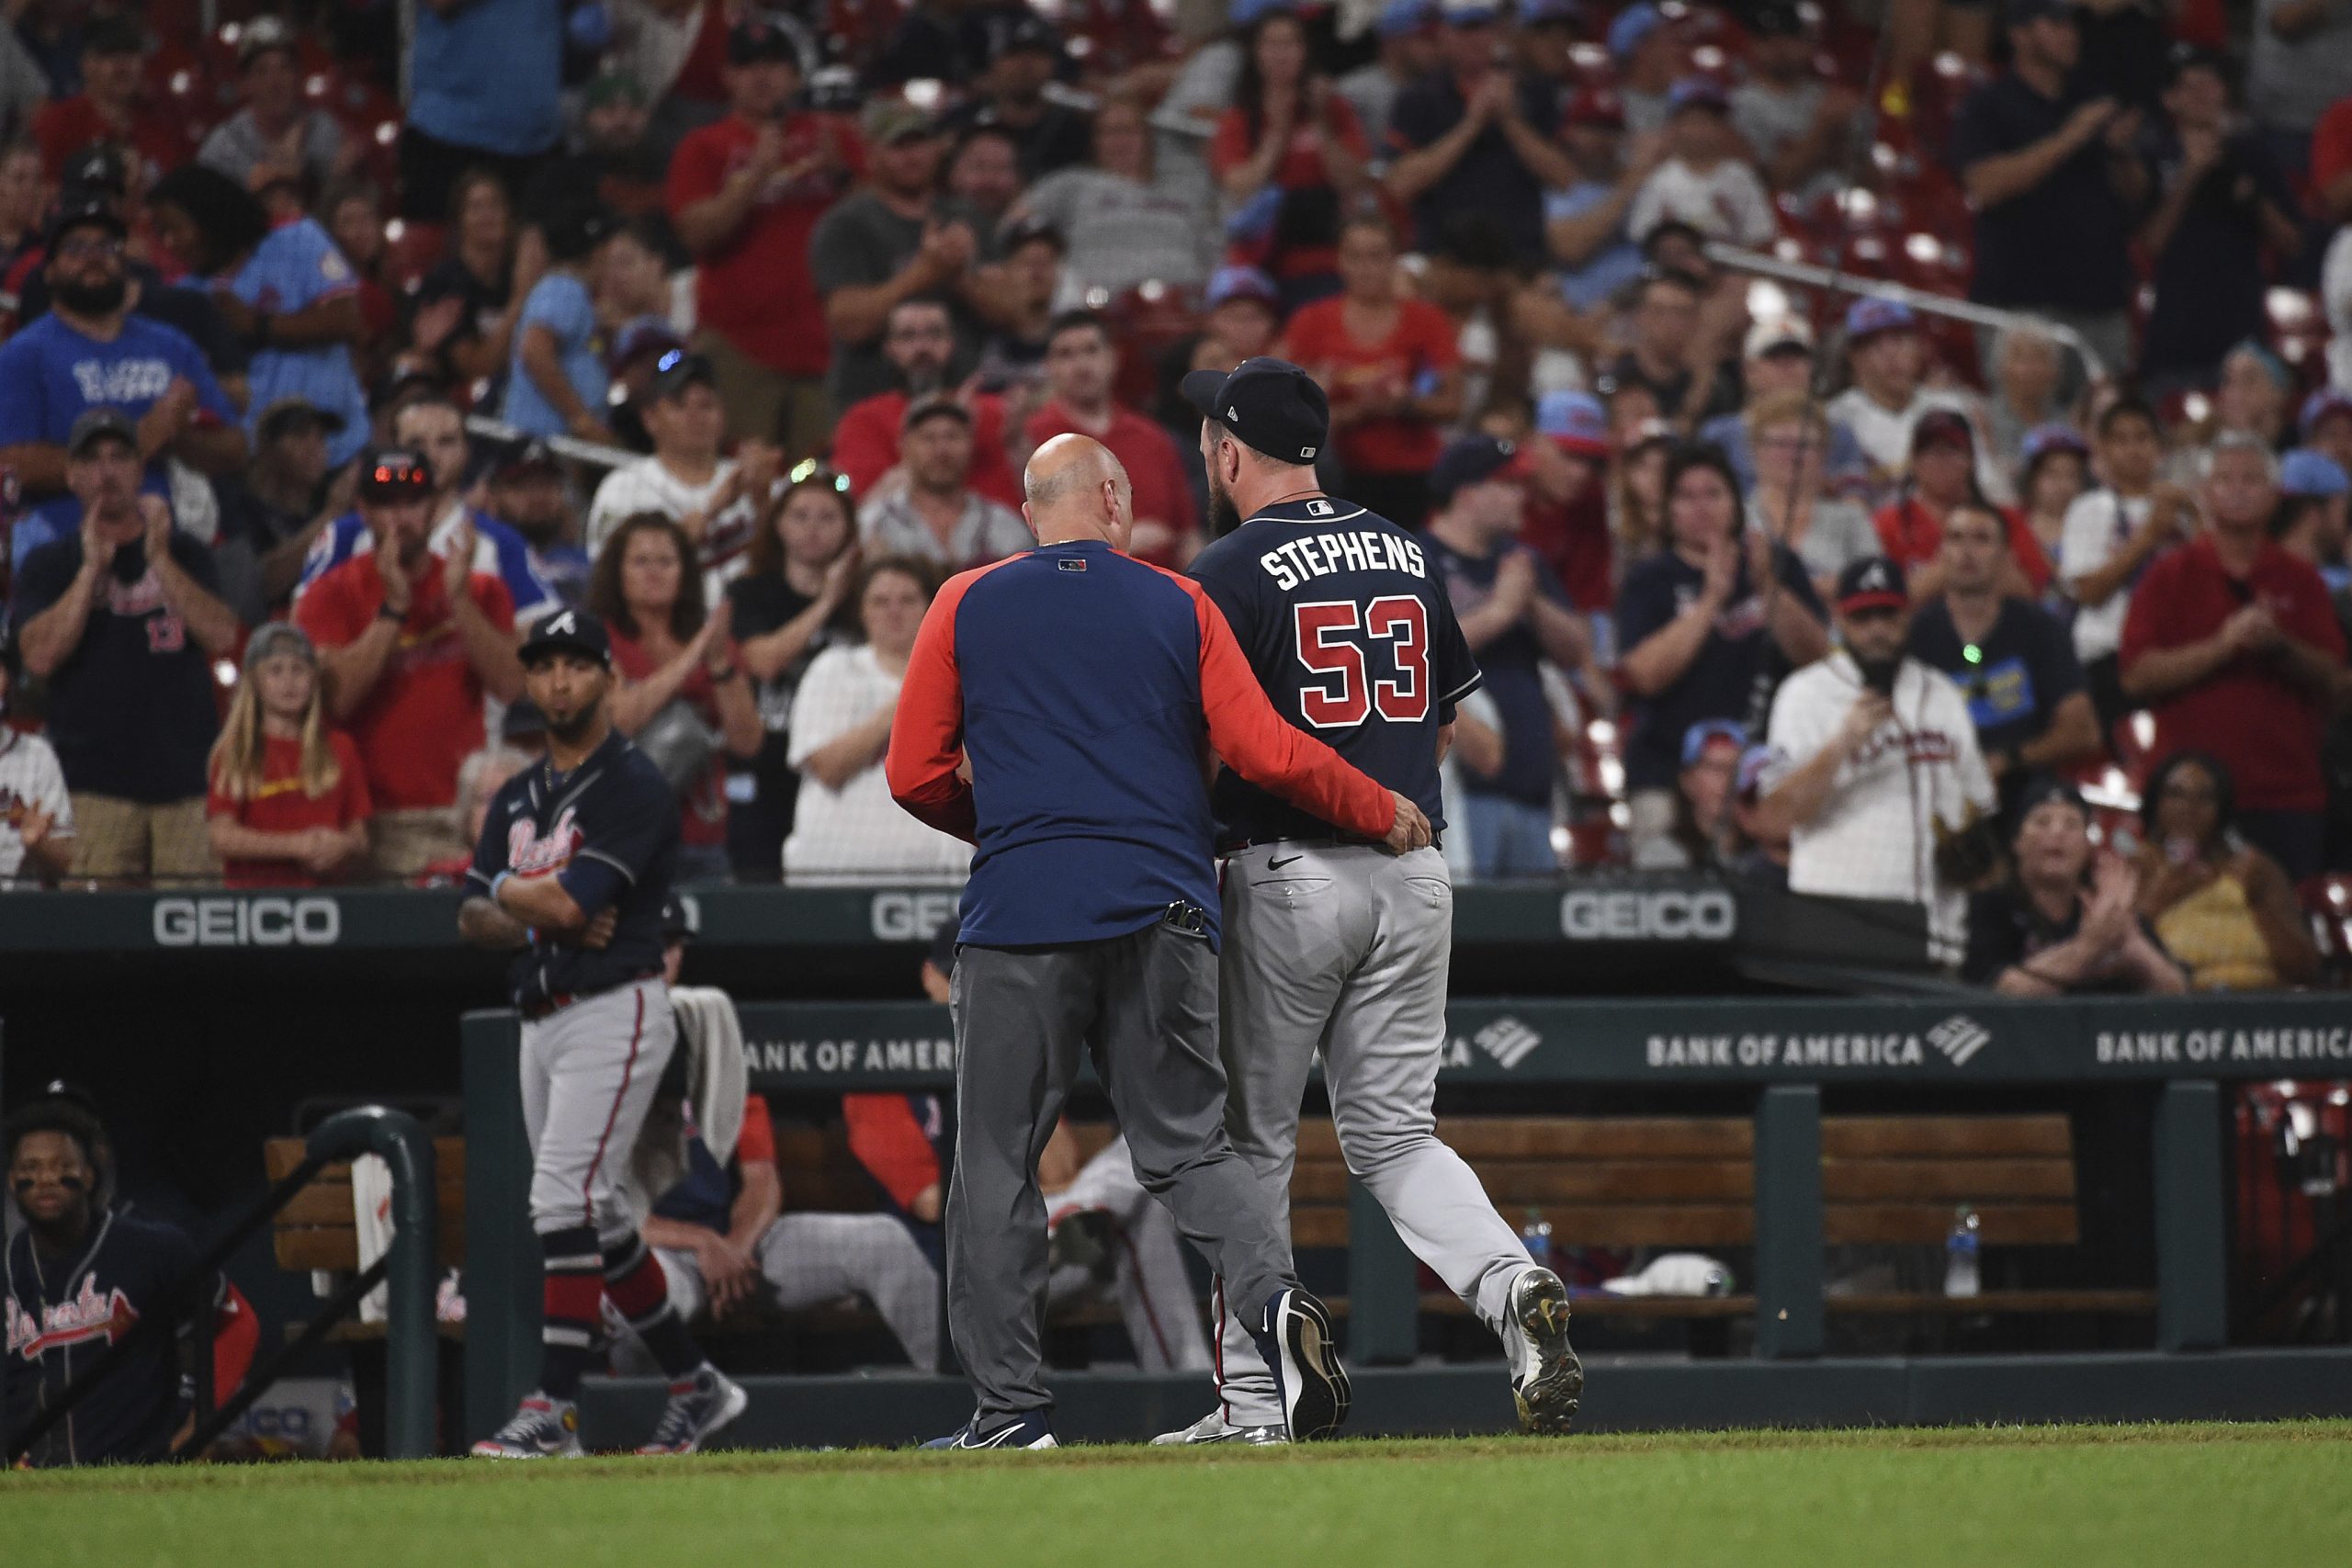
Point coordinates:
[(1690, 1182)]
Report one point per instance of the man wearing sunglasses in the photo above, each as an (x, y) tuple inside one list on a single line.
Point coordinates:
[(1875, 762)]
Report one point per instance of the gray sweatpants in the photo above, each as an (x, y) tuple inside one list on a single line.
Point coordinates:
[(1145, 1004), (1345, 949), (808, 1260)]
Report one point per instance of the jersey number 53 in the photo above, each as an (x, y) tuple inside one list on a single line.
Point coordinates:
[(1335, 644)]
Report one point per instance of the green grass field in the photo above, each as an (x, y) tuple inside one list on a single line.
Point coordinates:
[(2075, 1497)]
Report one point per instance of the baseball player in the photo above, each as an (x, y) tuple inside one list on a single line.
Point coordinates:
[(1331, 942), (575, 863)]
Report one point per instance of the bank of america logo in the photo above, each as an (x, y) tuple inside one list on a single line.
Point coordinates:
[(1959, 1037), (1507, 1041)]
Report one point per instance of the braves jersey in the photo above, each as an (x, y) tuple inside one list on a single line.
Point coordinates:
[(608, 831), (1354, 640), (62, 1314)]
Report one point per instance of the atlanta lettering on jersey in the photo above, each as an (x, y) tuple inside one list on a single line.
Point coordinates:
[(1917, 746), (86, 1317), (1311, 556), (528, 854)]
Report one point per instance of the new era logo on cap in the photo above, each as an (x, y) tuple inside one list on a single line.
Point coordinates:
[(1270, 406)]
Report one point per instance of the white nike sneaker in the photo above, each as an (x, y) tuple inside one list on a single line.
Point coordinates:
[(1547, 1379), (1213, 1427)]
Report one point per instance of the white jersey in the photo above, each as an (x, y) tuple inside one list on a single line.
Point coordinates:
[(2097, 524), (646, 486), (31, 781), (1875, 835)]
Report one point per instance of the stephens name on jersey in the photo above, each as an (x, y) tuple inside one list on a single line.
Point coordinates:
[(608, 831), (1354, 642)]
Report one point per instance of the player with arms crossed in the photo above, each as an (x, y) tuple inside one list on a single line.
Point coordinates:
[(1332, 941), (573, 867)]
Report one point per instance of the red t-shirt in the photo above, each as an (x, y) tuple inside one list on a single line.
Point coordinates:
[(865, 445), (2263, 725), (2332, 145), (1423, 342), (1301, 166), (64, 125), (702, 810), (1573, 541), (756, 290), (1911, 535), (424, 717), (279, 806), (1162, 491)]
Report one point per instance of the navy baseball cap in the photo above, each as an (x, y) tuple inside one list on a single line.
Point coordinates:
[(1468, 460), (757, 39), (1868, 318), (1874, 582), (678, 369), (567, 631), (1401, 18), (1270, 406), (101, 424), (394, 474), (2020, 12), (89, 213), (676, 924)]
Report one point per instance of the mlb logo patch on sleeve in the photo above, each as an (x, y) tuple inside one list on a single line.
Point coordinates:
[(1071, 563)]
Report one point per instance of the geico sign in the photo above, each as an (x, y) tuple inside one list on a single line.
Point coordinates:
[(1663, 915), (265, 922), (912, 917)]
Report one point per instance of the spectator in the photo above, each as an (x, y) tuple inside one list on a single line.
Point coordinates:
[(1585, 228), (1796, 126), (2112, 533), (715, 500), (1475, 137), (556, 381), (36, 811), (1080, 365), (2223, 202), (938, 517), (1025, 50), (22, 200), (846, 829), (1567, 517), (1699, 622), (1776, 359), (272, 136), (2052, 176), (2011, 659), (2295, 69), (288, 804), (1647, 54), (480, 778), (430, 425), (1942, 478), (1704, 181), (120, 618), (1874, 763), (529, 494), (1671, 356), (484, 79), (2325, 424), (2233, 642), (90, 351), (792, 602), (1887, 355), (1407, 31), (1637, 499), (2310, 521), (613, 162), (892, 239), (1514, 615), (676, 54), (747, 194), (1239, 319), (411, 640), (919, 342), (284, 289), (1391, 368), (682, 695), (2222, 907), (353, 213), (1125, 221), (938, 40), (1789, 441), (467, 306), (2026, 368), (1014, 354), (1706, 833), (1288, 157), (271, 516), (2066, 922), (633, 278), (2252, 399), (2053, 469), (984, 175), (110, 106)]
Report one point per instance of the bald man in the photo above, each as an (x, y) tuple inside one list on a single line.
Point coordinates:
[(1083, 688)]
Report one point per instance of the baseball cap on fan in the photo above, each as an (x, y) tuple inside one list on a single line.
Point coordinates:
[(1874, 582), (1270, 406), (1471, 459), (567, 631), (101, 424), (391, 474), (1575, 423)]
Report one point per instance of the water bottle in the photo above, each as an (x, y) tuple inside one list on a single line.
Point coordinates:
[(1962, 1275), (1536, 1234)]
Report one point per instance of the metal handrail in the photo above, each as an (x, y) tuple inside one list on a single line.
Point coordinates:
[(571, 447)]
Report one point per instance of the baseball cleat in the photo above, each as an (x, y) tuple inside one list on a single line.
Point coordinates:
[(1025, 1431), (1296, 1343), (540, 1428), (1547, 1379), (1213, 1427), (700, 1405)]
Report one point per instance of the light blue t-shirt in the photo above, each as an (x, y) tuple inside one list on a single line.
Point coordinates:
[(50, 374), (1609, 268), (294, 268), (487, 75), (559, 302)]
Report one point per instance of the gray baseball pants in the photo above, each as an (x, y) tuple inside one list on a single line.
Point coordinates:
[(1345, 949), (808, 1260), (590, 1071), (1144, 1005)]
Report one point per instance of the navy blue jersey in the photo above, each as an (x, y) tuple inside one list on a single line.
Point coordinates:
[(64, 1313), (1353, 638), (608, 831)]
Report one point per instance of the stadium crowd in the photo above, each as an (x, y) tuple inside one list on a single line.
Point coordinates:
[(736, 324)]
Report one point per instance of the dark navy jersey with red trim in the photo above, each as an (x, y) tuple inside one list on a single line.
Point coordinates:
[(62, 1314), (608, 831), (1353, 638)]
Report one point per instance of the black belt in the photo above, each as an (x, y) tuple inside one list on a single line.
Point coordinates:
[(534, 1011), (1316, 841)]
